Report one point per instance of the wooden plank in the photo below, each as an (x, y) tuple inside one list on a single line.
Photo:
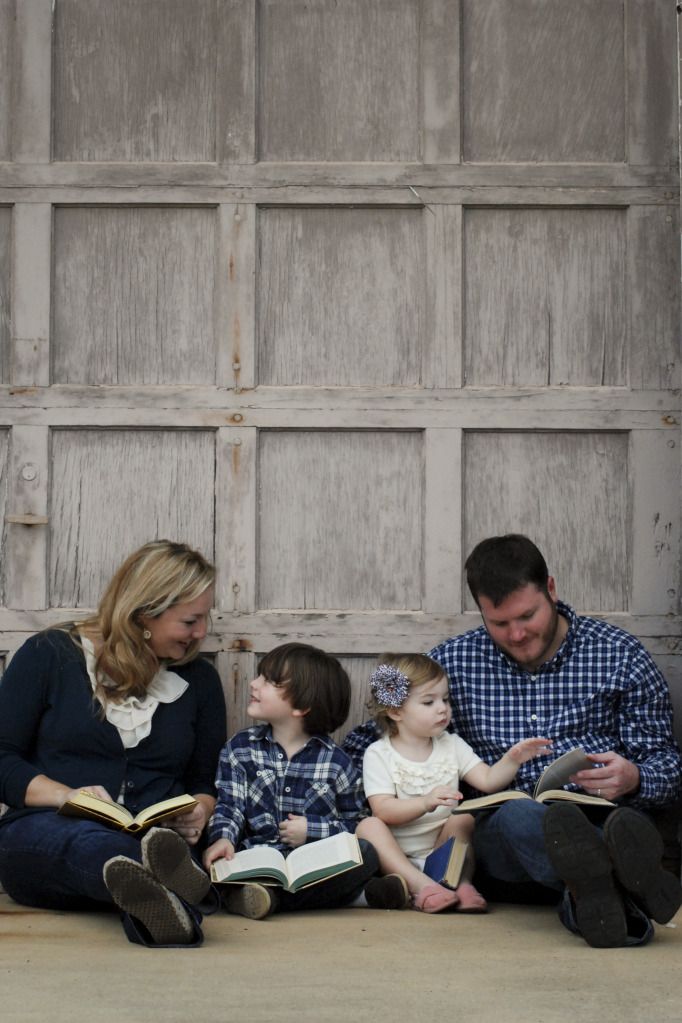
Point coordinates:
[(340, 520), (440, 81), (340, 296), (655, 557), (5, 476), (235, 497), (5, 291), (26, 552), (148, 319), (442, 346), (31, 286), (236, 670), (236, 82), (7, 46), (652, 82), (338, 81), (31, 99), (567, 491), (542, 80), (112, 491), (443, 521), (237, 296), (120, 80), (544, 296), (653, 289)]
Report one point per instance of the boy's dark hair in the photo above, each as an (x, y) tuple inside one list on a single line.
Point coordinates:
[(502, 564), (314, 681)]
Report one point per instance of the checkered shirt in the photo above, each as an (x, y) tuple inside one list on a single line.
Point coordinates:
[(601, 691), (258, 786)]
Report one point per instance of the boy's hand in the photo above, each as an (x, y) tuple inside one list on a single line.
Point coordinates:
[(294, 830), (529, 748), (442, 795), (220, 850)]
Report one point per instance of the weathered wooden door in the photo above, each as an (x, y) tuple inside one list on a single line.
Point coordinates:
[(332, 289)]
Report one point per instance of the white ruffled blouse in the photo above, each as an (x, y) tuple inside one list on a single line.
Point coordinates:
[(132, 718)]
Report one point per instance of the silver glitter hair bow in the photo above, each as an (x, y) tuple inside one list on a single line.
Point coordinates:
[(389, 686)]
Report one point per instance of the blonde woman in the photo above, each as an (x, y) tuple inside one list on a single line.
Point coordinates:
[(118, 705)]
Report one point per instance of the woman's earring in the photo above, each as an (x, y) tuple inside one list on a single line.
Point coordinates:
[(147, 634)]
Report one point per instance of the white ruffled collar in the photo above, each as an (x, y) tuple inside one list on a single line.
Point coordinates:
[(132, 718)]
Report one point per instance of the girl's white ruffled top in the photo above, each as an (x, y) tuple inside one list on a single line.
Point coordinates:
[(132, 718)]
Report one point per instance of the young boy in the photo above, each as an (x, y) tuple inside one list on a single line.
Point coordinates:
[(285, 782)]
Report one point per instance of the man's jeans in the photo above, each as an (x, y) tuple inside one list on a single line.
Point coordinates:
[(510, 844), (56, 862)]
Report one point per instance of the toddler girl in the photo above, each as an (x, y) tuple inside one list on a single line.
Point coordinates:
[(411, 778)]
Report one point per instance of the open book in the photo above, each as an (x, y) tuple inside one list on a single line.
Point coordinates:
[(306, 865), (547, 789), (445, 863), (84, 804)]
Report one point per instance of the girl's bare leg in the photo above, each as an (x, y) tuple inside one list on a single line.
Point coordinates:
[(461, 826), (394, 861)]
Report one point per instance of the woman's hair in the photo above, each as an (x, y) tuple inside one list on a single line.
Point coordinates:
[(153, 579), (416, 670), (313, 681)]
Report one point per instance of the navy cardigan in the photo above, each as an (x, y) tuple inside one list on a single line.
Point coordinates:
[(51, 724)]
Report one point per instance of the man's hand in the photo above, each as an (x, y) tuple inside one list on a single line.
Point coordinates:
[(294, 830), (615, 777)]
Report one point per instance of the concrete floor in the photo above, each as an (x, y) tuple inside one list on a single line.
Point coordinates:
[(515, 964)]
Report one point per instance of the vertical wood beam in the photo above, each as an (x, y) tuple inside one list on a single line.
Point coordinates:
[(235, 296), (26, 548), (31, 272), (440, 81), (236, 82), (443, 521), (32, 107), (654, 458), (442, 347), (236, 511)]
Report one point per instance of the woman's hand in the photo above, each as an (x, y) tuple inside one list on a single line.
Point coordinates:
[(43, 791), (191, 823)]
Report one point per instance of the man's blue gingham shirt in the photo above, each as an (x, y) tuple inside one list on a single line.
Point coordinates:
[(258, 786), (601, 691)]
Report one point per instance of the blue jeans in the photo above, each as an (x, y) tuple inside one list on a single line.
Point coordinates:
[(510, 845), (56, 862), (335, 891)]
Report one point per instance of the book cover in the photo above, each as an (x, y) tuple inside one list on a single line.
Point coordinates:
[(445, 863)]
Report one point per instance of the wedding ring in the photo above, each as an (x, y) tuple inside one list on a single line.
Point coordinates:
[(599, 792)]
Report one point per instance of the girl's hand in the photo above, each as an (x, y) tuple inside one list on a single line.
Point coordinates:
[(220, 850), (442, 795), (294, 830), (529, 748)]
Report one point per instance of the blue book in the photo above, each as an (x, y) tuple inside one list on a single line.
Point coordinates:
[(444, 865)]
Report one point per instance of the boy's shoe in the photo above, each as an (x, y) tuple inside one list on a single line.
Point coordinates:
[(253, 901), (636, 851), (581, 860), (388, 892), (139, 894), (166, 856)]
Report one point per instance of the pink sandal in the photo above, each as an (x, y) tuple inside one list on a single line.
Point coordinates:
[(470, 900), (434, 898)]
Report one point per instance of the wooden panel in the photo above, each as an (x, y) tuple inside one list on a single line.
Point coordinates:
[(4, 486), (340, 520), (133, 295), (6, 77), (25, 560), (340, 296), (31, 285), (569, 493), (652, 83), (543, 80), (653, 291), (339, 81), (5, 290), (545, 296), (135, 81), (655, 562), (114, 490)]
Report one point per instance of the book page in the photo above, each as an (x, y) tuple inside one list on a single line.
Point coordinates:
[(327, 852), (261, 859), (556, 775), (102, 808)]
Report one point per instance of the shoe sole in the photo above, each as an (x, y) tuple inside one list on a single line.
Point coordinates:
[(636, 851), (167, 857), (253, 901), (581, 860), (136, 892), (390, 892)]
